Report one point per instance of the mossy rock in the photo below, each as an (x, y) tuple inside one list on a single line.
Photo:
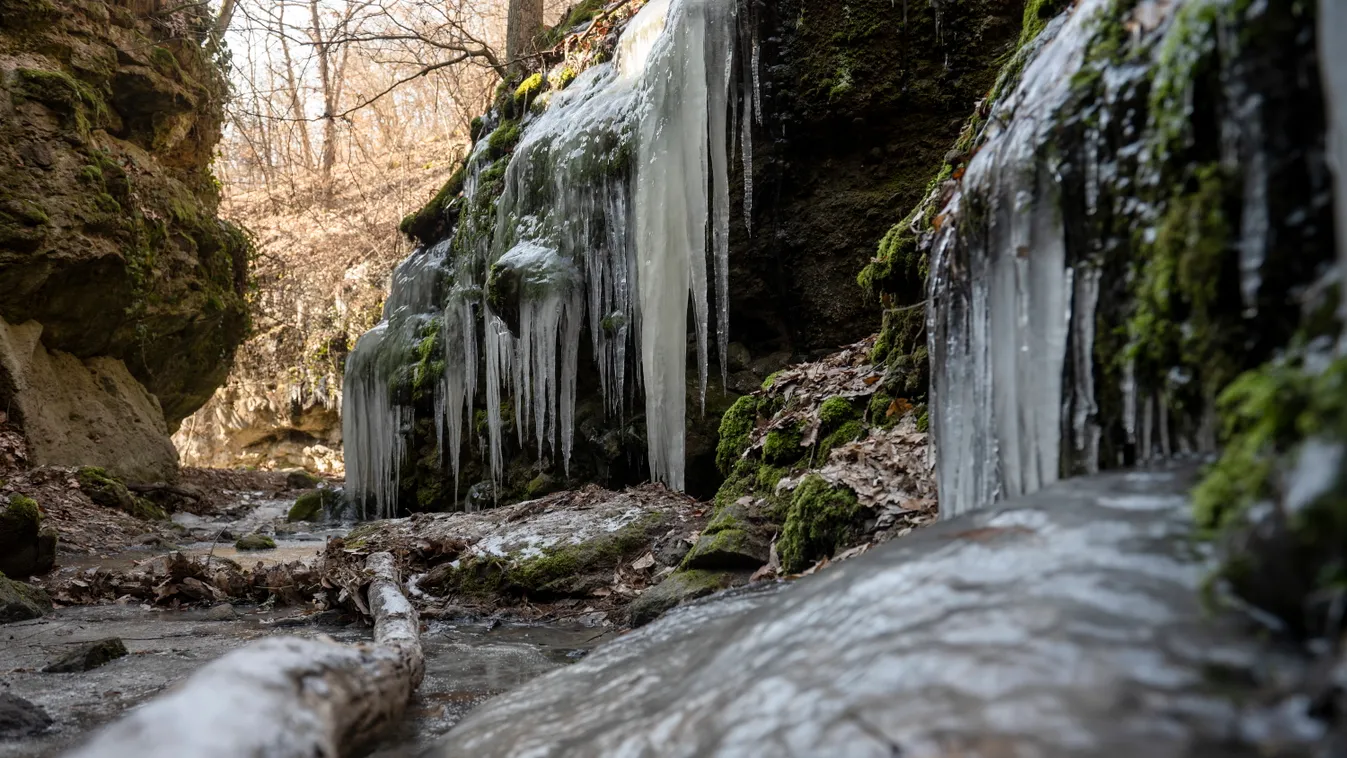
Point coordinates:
[(255, 541), (20, 601), (820, 519), (88, 657), (310, 505), (726, 550), (104, 489), (26, 546), (676, 589)]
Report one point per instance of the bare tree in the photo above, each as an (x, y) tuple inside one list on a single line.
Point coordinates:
[(525, 23)]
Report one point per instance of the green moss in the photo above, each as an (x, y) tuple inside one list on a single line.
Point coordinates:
[(1291, 566), (565, 78), (580, 13), (104, 489), (1037, 13), (528, 89), (80, 105), (770, 380), (835, 411), (783, 445), (310, 505), (923, 418), (429, 354), (679, 587), (429, 223), (503, 140), (1177, 321), (561, 569), (22, 514), (736, 429), (475, 128), (847, 432), (255, 541), (145, 510), (821, 518)]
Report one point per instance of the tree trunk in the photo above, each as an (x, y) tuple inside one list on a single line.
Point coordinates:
[(285, 697), (522, 27)]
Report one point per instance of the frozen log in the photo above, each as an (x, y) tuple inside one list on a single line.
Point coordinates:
[(285, 696)]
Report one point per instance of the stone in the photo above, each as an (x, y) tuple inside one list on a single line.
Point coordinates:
[(676, 589), (727, 549), (105, 490), (20, 601), (255, 541), (88, 656), (311, 505), (221, 612), (1065, 623), (301, 480), (84, 411), (21, 718), (26, 546)]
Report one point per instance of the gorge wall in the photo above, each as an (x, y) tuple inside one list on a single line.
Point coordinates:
[(124, 294)]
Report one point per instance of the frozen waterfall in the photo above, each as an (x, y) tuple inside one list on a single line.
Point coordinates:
[(611, 213)]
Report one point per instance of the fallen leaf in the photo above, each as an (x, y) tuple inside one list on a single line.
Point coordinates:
[(644, 562)]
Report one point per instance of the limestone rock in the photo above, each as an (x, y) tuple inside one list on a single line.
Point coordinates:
[(88, 656), (1067, 623), (83, 411), (20, 601), (109, 237), (727, 549)]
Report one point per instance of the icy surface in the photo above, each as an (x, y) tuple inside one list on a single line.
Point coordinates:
[(614, 215), (1065, 623), (1002, 298)]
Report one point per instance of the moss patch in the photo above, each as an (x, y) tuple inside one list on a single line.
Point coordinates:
[(255, 541), (820, 520), (310, 505), (20, 601), (736, 427), (676, 589)]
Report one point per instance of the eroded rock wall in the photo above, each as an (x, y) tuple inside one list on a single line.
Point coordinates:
[(109, 238)]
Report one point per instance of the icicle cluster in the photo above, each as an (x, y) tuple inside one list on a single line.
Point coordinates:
[(615, 215)]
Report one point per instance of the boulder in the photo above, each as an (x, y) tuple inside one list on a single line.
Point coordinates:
[(678, 588), (20, 601), (311, 505), (301, 480)]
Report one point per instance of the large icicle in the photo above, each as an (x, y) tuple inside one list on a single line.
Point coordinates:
[(613, 210), (1001, 298), (1333, 69)]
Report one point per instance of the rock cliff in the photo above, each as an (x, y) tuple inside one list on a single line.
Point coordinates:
[(118, 273)]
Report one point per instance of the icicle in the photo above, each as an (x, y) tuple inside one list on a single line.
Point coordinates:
[(1332, 29)]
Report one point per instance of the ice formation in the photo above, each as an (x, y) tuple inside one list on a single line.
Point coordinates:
[(614, 214)]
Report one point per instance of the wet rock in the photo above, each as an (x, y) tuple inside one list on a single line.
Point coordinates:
[(311, 505), (301, 480), (88, 656), (20, 718), (1065, 623), (255, 541), (769, 364), (678, 588), (20, 601)]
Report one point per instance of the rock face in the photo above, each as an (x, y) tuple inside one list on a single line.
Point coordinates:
[(20, 601), (109, 238), (90, 411), (1066, 623), (821, 86)]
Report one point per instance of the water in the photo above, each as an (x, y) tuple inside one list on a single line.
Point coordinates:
[(613, 215)]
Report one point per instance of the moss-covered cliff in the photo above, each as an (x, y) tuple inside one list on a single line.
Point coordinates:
[(109, 115)]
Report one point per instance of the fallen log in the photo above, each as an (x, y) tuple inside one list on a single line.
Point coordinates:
[(285, 697)]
